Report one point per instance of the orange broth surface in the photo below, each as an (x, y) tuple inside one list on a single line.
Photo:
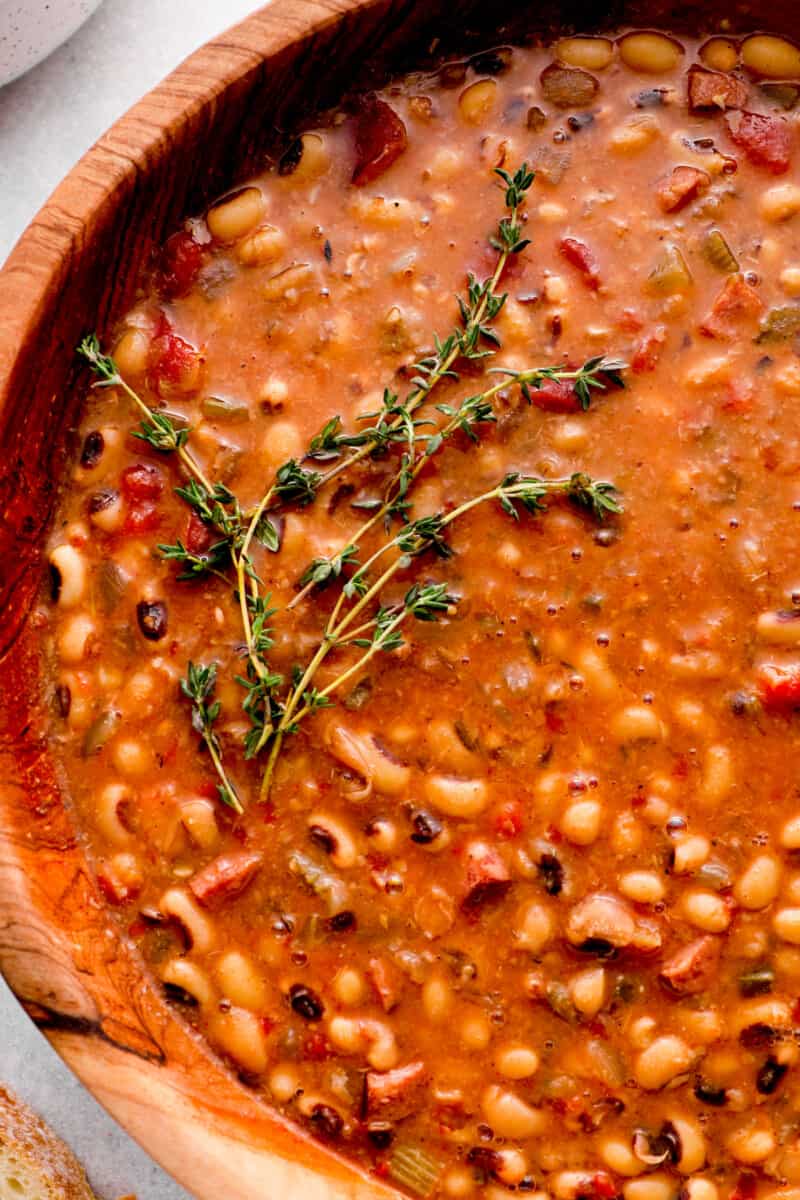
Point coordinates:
[(521, 910)]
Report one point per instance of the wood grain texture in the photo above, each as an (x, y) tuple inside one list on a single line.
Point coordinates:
[(76, 269)]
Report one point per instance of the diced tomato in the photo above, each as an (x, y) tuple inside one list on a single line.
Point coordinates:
[(767, 141), (630, 321), (779, 687), (738, 397), (681, 186), (715, 90), (380, 139), (508, 819), (198, 535), (553, 721), (142, 481), (578, 254), (604, 1185), (738, 301), (316, 1048), (555, 395), (174, 365), (181, 261), (648, 352)]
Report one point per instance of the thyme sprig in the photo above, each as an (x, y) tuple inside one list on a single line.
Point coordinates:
[(198, 686), (469, 416), (514, 492)]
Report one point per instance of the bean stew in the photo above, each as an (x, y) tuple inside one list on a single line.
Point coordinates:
[(425, 626)]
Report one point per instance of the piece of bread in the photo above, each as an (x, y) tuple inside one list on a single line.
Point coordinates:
[(34, 1163)]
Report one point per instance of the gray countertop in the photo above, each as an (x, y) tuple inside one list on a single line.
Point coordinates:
[(48, 118)]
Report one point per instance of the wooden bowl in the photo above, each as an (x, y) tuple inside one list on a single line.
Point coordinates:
[(74, 270)]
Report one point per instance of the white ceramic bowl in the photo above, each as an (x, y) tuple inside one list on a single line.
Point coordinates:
[(31, 29)]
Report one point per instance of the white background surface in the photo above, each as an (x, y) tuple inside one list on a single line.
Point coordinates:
[(48, 118)]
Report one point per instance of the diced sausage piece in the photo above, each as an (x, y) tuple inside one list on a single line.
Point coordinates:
[(648, 352), (736, 302), (578, 254), (693, 967), (487, 876), (711, 90), (391, 1095), (681, 186), (779, 687), (225, 878), (767, 141), (601, 923), (198, 535), (386, 981), (380, 139)]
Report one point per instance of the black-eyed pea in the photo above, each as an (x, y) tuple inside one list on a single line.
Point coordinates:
[(691, 1144), (780, 202), (75, 637), (190, 978), (284, 1082), (509, 1115), (199, 819), (533, 927), (643, 887), (550, 212), (641, 1032), (719, 54), (437, 998), (778, 628), (763, 1011), (626, 834), (335, 837), (458, 1182), (690, 853), (589, 53), (634, 135), (69, 570), (310, 157), (705, 910), (475, 1030), (568, 1185), (516, 1061), (665, 1057), (349, 987), (581, 822), (288, 285), (636, 723), (383, 835), (701, 1189), (264, 246), (703, 1026), (461, 798), (791, 890), (752, 1143), (789, 279), (786, 924), (512, 1167), (236, 215), (759, 883), (772, 57), (616, 1153), (177, 903), (650, 53), (570, 434), (384, 212), (131, 353), (718, 774), (273, 395), (658, 1186), (131, 756), (113, 797), (240, 981), (241, 1035), (282, 441), (477, 101), (587, 990), (555, 289)]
